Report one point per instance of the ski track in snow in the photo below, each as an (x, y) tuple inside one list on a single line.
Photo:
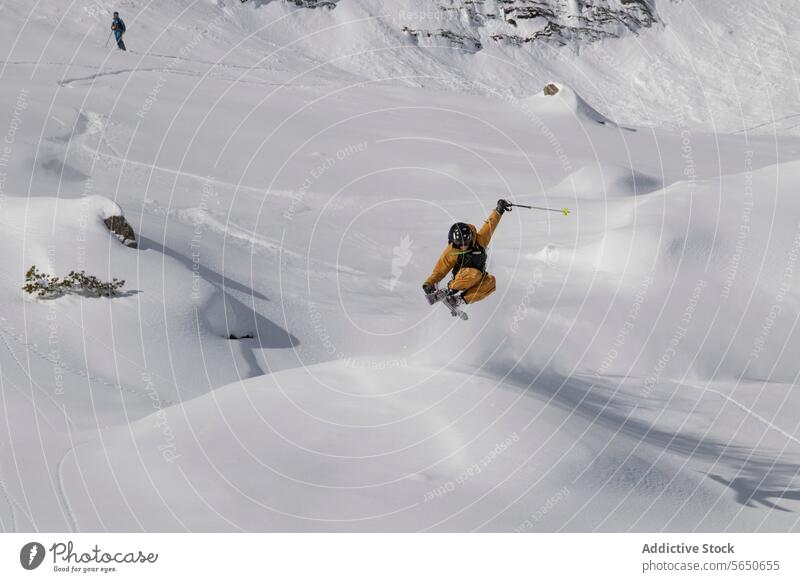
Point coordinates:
[(208, 75), (62, 365), (746, 409), (184, 174), (10, 502), (229, 230), (57, 483), (72, 81), (5, 333), (72, 520)]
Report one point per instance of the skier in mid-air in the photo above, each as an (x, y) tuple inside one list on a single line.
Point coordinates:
[(118, 26), (465, 256)]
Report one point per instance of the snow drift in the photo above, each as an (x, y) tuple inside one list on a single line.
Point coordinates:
[(558, 99)]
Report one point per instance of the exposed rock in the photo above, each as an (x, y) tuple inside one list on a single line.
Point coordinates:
[(527, 12), (462, 24), (330, 4), (120, 227), (559, 22), (550, 89), (467, 43)]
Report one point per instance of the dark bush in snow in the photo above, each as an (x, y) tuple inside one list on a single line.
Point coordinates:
[(43, 285)]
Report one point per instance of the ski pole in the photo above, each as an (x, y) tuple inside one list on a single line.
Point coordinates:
[(564, 211), (109, 38)]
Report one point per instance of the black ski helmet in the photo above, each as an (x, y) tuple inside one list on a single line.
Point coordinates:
[(460, 235)]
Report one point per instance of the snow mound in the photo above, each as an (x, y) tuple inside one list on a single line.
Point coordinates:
[(597, 181), (57, 234), (557, 99), (335, 446), (171, 311), (670, 292), (621, 251)]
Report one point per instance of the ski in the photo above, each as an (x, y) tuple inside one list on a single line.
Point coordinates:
[(440, 296), (455, 311)]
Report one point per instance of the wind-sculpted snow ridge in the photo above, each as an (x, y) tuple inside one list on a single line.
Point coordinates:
[(556, 99), (337, 447), (599, 181), (672, 282)]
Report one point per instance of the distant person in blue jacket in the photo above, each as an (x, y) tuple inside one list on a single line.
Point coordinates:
[(118, 26)]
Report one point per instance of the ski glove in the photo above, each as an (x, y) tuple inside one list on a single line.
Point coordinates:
[(428, 288), (502, 206)]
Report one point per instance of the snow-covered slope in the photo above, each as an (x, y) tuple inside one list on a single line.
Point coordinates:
[(723, 66), (291, 174)]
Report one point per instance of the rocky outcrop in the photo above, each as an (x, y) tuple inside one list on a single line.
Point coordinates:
[(469, 24), (314, 3), (120, 227), (550, 89), (308, 3), (557, 22), (455, 40)]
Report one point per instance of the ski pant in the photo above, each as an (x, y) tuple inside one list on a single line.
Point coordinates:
[(120, 42), (475, 284)]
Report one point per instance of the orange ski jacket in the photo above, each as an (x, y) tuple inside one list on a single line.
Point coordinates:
[(450, 255)]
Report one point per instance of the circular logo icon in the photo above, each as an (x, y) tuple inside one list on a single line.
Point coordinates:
[(31, 555)]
